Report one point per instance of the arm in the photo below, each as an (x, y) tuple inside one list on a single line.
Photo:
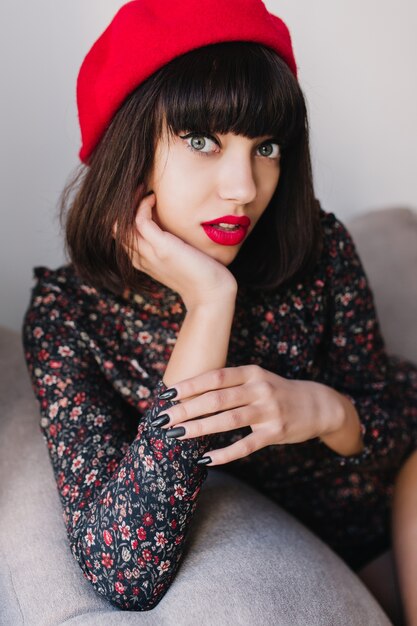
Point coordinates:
[(356, 363), (127, 505), (347, 438), (203, 340)]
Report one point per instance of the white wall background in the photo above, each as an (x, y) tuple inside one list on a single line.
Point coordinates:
[(357, 66)]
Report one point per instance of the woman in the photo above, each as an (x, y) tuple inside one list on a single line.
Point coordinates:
[(201, 261)]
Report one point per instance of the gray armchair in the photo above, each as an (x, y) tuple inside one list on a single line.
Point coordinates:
[(246, 561)]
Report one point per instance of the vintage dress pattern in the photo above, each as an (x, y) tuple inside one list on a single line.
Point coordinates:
[(96, 363)]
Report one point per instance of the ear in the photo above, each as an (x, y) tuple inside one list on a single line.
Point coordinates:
[(114, 229)]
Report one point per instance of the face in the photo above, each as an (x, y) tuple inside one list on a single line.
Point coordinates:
[(198, 178)]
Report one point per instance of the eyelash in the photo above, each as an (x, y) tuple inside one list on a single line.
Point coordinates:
[(200, 153)]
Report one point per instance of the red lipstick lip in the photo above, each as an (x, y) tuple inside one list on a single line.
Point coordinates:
[(225, 238), (243, 220)]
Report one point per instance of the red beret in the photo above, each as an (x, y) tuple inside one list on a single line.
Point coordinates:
[(144, 35)]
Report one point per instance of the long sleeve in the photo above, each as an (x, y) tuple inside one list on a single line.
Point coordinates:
[(356, 362), (128, 492)]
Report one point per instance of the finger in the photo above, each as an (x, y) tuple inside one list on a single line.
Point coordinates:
[(238, 450), (208, 403), (145, 206), (220, 423), (143, 220), (213, 379), (139, 250)]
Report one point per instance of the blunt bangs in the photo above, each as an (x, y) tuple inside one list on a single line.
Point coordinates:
[(238, 87)]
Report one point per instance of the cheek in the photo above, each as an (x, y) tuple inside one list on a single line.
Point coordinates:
[(165, 212), (155, 218), (275, 178), (278, 176), (159, 210), (270, 190)]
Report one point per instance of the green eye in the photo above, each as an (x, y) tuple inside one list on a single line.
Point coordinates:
[(195, 137), (275, 153)]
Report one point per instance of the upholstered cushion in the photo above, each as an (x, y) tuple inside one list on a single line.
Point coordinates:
[(246, 561), (387, 243)]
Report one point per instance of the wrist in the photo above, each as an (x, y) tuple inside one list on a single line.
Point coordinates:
[(203, 340), (218, 300), (344, 436)]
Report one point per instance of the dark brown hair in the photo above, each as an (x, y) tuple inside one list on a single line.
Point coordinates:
[(238, 87)]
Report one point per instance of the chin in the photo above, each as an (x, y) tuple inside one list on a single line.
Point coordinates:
[(226, 261)]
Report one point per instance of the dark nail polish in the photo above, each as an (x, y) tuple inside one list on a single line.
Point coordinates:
[(168, 394), (204, 460), (176, 432), (161, 420)]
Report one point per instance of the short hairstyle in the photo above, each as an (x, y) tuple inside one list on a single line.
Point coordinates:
[(239, 87)]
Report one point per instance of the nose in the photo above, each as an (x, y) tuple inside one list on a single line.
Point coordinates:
[(236, 180)]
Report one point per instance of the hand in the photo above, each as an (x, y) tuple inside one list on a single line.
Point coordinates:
[(278, 410), (196, 276)]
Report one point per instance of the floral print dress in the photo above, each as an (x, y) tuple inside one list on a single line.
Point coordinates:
[(96, 362)]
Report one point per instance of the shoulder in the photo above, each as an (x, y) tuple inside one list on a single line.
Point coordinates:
[(335, 231), (60, 298), (339, 248), (63, 279), (59, 289)]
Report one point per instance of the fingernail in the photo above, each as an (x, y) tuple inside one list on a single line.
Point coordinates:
[(168, 394), (161, 420), (204, 460), (176, 432)]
